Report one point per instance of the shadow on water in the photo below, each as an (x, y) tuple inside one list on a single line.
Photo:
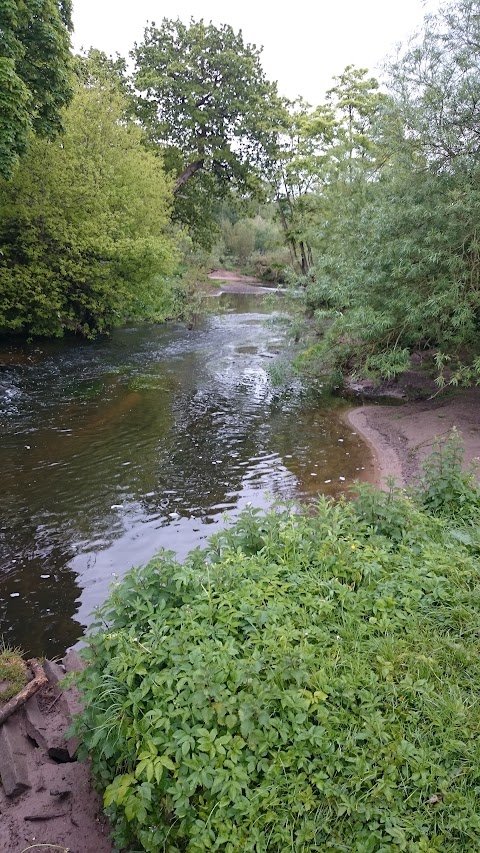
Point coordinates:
[(114, 449)]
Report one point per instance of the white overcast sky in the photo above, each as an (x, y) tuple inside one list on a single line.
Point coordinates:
[(305, 42)]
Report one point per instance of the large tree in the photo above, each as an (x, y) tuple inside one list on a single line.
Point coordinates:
[(436, 82), (84, 224), (205, 99), (298, 175), (35, 81)]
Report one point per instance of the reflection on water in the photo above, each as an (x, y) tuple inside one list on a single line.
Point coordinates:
[(113, 449)]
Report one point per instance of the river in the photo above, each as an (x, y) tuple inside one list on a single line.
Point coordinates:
[(143, 440)]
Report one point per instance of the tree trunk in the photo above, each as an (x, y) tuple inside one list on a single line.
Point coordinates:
[(305, 255), (289, 239), (309, 256), (188, 173)]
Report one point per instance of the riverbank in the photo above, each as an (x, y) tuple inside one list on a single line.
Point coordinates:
[(47, 799), (226, 281), (401, 436)]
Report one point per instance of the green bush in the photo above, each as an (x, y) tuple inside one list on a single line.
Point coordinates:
[(240, 239), (256, 244), (271, 266), (307, 683), (85, 236)]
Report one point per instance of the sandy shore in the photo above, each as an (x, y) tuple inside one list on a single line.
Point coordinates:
[(401, 436), (234, 282)]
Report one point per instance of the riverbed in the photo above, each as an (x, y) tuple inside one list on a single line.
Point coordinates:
[(154, 437)]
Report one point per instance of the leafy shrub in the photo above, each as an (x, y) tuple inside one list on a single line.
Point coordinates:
[(239, 239), (389, 513), (85, 232), (256, 244), (307, 683)]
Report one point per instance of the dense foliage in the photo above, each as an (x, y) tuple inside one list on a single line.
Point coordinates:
[(84, 224), (86, 233), (395, 231), (253, 244), (306, 683), (325, 152), (35, 70)]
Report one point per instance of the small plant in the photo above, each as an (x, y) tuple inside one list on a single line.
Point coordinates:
[(388, 513), (445, 487), (13, 672), (388, 364)]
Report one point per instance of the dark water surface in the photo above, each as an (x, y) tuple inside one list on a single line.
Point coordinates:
[(114, 449)]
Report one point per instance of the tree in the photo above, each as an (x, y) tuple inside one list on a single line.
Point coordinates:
[(355, 152), (84, 224), (399, 262), (356, 103), (298, 176), (95, 68), (35, 66), (206, 101), (326, 154), (436, 83)]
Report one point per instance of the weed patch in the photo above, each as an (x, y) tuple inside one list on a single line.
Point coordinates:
[(13, 673)]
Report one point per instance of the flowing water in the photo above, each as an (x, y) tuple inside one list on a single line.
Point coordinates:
[(143, 440)]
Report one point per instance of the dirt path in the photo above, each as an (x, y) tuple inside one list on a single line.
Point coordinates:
[(401, 436)]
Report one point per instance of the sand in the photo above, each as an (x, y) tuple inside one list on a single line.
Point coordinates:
[(59, 809), (233, 282), (400, 436)]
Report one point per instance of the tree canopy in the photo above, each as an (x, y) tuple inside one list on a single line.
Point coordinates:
[(35, 73), (323, 151), (396, 250), (206, 101), (376, 192), (436, 85)]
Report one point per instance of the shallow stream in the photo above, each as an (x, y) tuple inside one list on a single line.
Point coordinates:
[(143, 440)]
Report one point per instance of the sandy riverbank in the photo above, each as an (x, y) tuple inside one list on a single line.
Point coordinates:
[(225, 281), (400, 436)]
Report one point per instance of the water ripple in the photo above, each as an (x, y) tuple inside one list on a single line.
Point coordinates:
[(114, 449)]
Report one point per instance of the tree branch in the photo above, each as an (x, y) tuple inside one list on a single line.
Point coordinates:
[(188, 173), (203, 100)]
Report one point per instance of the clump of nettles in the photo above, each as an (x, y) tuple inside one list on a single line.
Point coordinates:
[(445, 486), (307, 683)]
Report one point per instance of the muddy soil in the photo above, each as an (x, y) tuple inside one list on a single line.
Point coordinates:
[(46, 796)]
